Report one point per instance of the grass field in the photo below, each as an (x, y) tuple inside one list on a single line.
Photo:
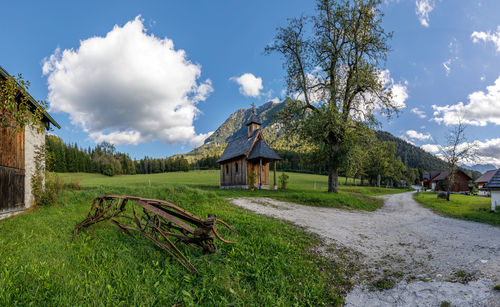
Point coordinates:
[(302, 188), (272, 264), (466, 207)]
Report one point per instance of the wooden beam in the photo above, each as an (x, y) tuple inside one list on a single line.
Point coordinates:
[(274, 187), (260, 175)]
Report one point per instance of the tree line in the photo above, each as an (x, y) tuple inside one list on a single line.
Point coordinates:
[(104, 159)]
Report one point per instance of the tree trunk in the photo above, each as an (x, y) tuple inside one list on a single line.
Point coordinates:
[(345, 179), (379, 178), (333, 180), (354, 180)]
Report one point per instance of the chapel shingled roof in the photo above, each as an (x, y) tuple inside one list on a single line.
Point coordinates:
[(262, 150), (238, 147), (494, 182)]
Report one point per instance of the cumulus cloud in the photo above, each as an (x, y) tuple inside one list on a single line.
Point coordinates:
[(482, 108), (250, 85), (128, 87), (423, 8), (493, 37), (432, 148), (399, 90), (418, 135), (419, 112), (487, 152)]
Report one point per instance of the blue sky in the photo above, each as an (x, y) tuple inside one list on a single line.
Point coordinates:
[(111, 75)]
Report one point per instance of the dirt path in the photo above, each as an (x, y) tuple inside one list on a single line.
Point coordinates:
[(403, 239)]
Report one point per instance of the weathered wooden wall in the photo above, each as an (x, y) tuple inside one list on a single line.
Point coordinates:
[(233, 173), (254, 167), (12, 169)]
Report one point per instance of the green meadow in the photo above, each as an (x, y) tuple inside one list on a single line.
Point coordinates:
[(273, 263), (466, 207), (305, 189)]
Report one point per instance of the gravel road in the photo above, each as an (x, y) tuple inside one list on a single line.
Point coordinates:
[(425, 251)]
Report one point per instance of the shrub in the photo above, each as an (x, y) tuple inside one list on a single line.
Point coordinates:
[(283, 181), (251, 181), (45, 186)]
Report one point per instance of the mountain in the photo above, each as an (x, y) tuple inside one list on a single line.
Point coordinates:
[(482, 168), (412, 156), (235, 126)]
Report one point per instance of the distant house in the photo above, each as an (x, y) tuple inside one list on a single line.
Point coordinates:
[(17, 161), (484, 179), (439, 181), (494, 187), (246, 155)]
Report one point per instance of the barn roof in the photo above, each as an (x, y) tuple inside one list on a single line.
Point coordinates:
[(254, 119), (262, 150), (238, 147), (444, 175), (486, 177), (433, 174), (35, 104), (494, 182)]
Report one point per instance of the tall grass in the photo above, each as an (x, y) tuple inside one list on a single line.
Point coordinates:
[(271, 265)]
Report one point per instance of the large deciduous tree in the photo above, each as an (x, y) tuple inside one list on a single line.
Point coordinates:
[(333, 62)]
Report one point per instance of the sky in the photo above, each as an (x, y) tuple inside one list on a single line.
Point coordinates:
[(155, 78)]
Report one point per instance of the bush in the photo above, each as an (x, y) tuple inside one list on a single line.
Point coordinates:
[(251, 181), (46, 195), (283, 181)]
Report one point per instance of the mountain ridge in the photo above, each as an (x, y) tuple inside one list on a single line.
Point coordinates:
[(234, 126)]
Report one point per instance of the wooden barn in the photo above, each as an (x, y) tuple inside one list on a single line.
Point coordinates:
[(17, 155), (246, 155), (439, 181), (482, 181)]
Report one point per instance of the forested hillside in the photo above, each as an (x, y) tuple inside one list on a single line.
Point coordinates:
[(295, 154)]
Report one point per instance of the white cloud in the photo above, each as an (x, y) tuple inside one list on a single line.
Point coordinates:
[(275, 100), (127, 87), (453, 48), (417, 135), (250, 85), (482, 108), (432, 148), (487, 152), (447, 67), (200, 139), (399, 90), (487, 37), (419, 112), (423, 8)]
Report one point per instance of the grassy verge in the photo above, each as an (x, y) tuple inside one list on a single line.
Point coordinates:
[(305, 189), (270, 266), (466, 207)]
